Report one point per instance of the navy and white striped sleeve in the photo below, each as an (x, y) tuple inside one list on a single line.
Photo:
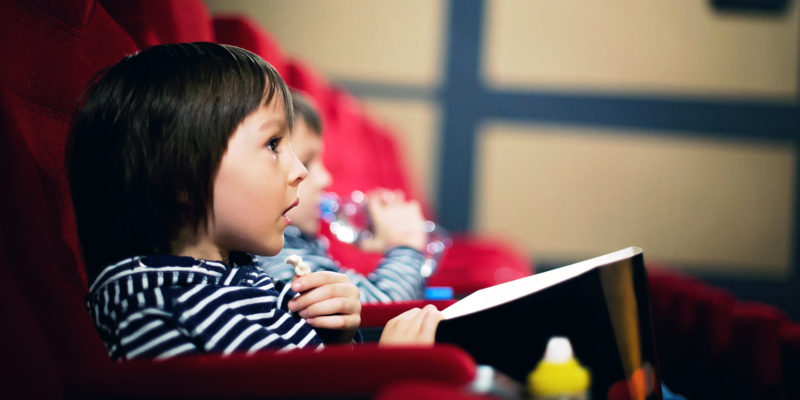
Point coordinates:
[(150, 333), (233, 319), (396, 278)]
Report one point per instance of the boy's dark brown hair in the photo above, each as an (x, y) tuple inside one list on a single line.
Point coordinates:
[(147, 141)]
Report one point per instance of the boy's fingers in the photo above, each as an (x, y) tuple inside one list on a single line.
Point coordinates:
[(321, 293), (430, 322), (337, 305), (335, 321), (408, 314), (316, 279), (413, 327)]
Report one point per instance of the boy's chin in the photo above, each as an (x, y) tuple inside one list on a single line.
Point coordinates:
[(270, 249)]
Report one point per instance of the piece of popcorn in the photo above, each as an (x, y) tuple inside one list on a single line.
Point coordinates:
[(294, 259), (300, 267)]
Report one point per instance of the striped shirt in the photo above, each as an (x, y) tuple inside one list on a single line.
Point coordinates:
[(163, 306), (396, 278)]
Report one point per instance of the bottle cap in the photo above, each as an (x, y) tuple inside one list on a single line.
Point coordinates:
[(438, 293), (559, 374), (559, 350)]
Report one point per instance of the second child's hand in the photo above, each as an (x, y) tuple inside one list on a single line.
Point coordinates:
[(396, 221), (328, 300)]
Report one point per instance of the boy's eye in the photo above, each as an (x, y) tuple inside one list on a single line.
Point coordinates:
[(274, 142)]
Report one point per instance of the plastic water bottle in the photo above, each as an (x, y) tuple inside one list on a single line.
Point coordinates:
[(349, 222), (559, 375)]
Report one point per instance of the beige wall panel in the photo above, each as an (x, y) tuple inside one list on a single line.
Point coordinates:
[(570, 193), (416, 125), (672, 46), (398, 41)]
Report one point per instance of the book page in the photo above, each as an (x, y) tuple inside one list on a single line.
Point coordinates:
[(505, 292)]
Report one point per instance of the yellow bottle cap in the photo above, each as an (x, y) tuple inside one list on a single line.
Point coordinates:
[(558, 372)]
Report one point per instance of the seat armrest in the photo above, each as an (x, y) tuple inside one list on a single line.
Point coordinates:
[(378, 314), (336, 372)]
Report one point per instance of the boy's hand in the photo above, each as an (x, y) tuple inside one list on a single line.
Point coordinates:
[(395, 221), (414, 327), (328, 301)]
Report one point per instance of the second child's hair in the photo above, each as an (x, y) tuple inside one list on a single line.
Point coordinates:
[(148, 140), (305, 110)]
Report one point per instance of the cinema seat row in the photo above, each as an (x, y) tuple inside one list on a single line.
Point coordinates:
[(52, 349), (713, 346), (53, 47)]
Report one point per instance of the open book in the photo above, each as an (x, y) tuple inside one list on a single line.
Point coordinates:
[(601, 305)]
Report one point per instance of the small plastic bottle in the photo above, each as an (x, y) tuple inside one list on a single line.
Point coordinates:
[(349, 222), (559, 375)]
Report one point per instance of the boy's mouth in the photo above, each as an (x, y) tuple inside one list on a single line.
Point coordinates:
[(296, 202)]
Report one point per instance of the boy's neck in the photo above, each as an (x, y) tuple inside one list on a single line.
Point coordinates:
[(204, 253), (198, 246)]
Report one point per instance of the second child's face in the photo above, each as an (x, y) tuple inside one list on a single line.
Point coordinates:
[(256, 184), (308, 145)]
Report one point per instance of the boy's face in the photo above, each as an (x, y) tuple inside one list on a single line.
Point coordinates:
[(308, 145), (256, 184)]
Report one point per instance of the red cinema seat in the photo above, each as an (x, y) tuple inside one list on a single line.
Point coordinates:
[(709, 341), (245, 33), (754, 360), (29, 369), (475, 262), (303, 77), (429, 390), (340, 372), (152, 22), (377, 315), (58, 47), (389, 163), (699, 339), (349, 153), (790, 353)]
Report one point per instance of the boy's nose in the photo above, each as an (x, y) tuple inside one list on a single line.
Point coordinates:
[(298, 171)]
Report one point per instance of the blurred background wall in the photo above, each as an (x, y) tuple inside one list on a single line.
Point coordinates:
[(579, 127)]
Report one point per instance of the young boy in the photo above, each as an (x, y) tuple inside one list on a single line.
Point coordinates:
[(398, 225), (180, 167)]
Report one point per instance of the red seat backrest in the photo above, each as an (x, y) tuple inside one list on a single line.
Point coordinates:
[(790, 353), (304, 78), (755, 355), (245, 33), (56, 48), (152, 22), (33, 373)]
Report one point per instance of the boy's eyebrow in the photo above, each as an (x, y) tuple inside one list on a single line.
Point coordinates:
[(279, 123)]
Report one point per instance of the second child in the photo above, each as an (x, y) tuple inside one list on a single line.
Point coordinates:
[(398, 226)]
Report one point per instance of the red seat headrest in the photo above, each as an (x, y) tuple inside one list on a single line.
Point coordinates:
[(245, 33), (163, 21)]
